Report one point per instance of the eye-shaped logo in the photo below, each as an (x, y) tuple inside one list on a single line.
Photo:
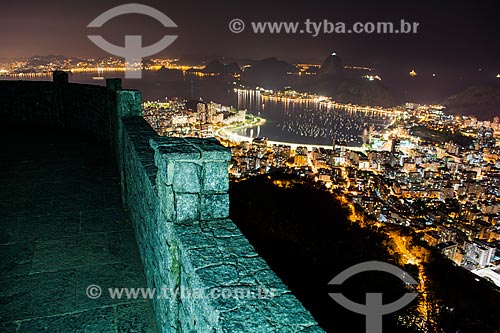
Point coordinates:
[(374, 309), (133, 52)]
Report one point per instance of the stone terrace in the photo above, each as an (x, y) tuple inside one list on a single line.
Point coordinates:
[(62, 228)]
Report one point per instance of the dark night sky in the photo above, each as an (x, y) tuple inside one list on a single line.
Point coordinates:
[(451, 33)]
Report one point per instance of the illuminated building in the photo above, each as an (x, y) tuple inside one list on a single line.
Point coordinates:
[(479, 253)]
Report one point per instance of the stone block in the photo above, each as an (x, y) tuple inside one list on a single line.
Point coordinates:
[(218, 275), (156, 142), (221, 228), (129, 103), (186, 207), (288, 311), (205, 256), (214, 206), (237, 246), (214, 151), (178, 153), (215, 177), (186, 177), (246, 319)]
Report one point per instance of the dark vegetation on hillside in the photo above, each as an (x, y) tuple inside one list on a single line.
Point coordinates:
[(436, 136), (471, 304), (482, 100), (304, 235)]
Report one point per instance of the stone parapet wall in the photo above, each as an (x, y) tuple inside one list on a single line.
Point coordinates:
[(176, 192)]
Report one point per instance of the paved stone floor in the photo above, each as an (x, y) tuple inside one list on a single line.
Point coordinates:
[(62, 228)]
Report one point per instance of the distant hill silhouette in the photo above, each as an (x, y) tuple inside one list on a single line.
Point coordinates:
[(356, 91), (345, 87), (215, 66), (331, 67), (268, 72), (483, 101), (168, 74)]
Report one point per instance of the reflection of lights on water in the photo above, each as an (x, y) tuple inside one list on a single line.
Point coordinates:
[(313, 116)]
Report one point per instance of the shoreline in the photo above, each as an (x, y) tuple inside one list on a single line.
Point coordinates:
[(228, 134)]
